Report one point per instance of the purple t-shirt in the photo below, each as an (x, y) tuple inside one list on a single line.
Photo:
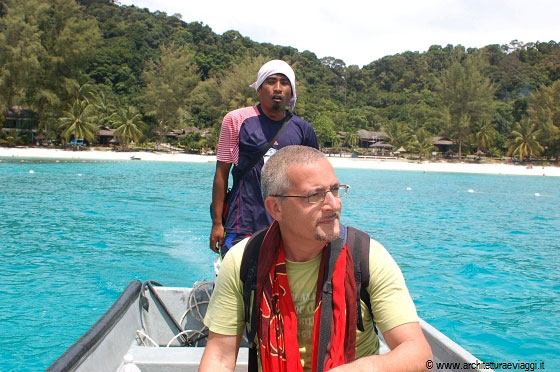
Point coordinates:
[(245, 132)]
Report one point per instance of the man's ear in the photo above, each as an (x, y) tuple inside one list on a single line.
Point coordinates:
[(274, 207)]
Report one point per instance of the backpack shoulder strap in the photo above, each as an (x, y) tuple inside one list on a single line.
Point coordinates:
[(267, 147), (248, 276), (358, 243)]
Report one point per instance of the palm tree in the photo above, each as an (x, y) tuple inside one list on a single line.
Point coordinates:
[(396, 132), (524, 142), (336, 142), (104, 109), (352, 138), (128, 122), (9, 138), (485, 135), (78, 122), (83, 92), (422, 143)]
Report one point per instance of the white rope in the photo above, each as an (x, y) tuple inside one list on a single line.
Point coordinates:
[(142, 336), (193, 309), (186, 332), (193, 303)]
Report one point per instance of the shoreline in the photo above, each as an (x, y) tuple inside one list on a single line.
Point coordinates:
[(337, 162)]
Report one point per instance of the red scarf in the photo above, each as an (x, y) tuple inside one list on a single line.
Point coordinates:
[(277, 321)]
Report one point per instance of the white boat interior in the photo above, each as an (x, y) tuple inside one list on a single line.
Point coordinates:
[(153, 324)]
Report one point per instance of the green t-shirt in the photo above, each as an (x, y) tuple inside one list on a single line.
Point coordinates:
[(390, 300)]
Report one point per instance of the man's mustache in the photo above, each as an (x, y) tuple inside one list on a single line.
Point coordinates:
[(334, 215)]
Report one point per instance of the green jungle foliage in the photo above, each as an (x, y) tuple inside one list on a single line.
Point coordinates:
[(82, 64)]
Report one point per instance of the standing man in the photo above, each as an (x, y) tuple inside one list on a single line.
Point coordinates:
[(245, 133), (303, 248)]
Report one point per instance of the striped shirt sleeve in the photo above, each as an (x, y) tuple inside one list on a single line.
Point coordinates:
[(228, 143)]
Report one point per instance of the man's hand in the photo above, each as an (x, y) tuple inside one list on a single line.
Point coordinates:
[(361, 364), (216, 237), (409, 352), (219, 188)]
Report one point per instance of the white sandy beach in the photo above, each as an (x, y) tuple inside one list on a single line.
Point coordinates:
[(338, 162)]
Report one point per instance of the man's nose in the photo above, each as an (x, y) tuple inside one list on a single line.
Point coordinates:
[(277, 85), (332, 201)]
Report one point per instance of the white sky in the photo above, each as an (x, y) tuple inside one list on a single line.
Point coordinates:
[(362, 31)]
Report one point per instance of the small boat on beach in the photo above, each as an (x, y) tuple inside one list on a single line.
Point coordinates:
[(135, 158), (160, 329)]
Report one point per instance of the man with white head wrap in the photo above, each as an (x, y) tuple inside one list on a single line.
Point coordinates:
[(277, 66), (244, 134)]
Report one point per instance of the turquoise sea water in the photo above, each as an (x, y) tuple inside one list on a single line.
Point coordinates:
[(480, 253)]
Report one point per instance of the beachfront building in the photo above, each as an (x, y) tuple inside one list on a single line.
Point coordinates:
[(381, 148), (369, 138), (376, 141), (21, 120), (445, 146), (178, 134), (105, 136)]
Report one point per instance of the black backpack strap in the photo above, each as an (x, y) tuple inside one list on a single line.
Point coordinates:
[(251, 165), (267, 147), (358, 243), (248, 275), (327, 302)]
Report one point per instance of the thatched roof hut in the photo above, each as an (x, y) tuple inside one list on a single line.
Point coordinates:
[(367, 137), (105, 136)]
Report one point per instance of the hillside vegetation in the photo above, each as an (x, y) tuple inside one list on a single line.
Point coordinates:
[(78, 65)]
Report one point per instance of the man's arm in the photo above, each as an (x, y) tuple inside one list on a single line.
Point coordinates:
[(219, 189), (409, 352), (220, 353)]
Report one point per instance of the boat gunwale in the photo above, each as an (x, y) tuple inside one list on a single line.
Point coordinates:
[(81, 349)]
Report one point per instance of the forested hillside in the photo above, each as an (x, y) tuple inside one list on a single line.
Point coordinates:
[(78, 65)]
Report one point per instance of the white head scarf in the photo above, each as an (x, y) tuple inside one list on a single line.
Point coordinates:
[(277, 66)]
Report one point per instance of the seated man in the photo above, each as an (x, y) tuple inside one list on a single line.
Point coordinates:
[(302, 193)]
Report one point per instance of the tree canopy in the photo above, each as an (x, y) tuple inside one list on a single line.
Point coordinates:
[(178, 74)]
